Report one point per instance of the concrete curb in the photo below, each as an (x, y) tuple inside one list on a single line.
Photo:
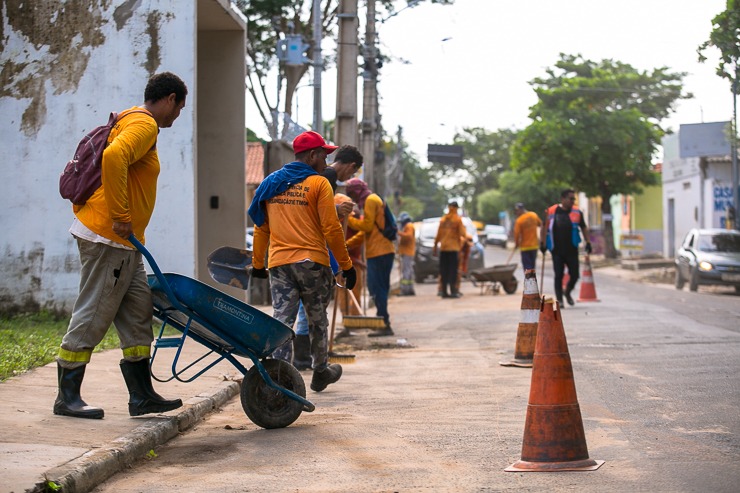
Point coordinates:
[(88, 471)]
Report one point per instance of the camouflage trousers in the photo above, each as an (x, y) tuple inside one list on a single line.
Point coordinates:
[(313, 284)]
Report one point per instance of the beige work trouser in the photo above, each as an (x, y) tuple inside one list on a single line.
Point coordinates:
[(113, 290)]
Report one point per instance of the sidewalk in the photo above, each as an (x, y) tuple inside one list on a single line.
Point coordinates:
[(81, 453)]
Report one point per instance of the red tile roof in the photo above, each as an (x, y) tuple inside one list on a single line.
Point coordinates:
[(254, 165)]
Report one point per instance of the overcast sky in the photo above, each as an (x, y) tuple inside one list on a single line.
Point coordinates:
[(470, 63)]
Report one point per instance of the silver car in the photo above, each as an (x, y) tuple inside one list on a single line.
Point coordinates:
[(495, 235), (709, 257)]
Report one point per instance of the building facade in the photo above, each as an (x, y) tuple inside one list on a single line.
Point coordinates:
[(697, 181), (66, 66)]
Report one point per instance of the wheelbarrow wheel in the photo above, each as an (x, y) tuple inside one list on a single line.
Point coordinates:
[(510, 286), (267, 407)]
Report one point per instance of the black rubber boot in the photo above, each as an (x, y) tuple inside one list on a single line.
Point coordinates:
[(323, 378), (302, 352), (69, 402), (387, 331), (142, 397)]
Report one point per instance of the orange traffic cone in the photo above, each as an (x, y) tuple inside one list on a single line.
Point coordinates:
[(526, 334), (554, 439), (588, 289)]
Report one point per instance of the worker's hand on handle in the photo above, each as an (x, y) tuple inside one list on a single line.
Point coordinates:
[(259, 273), (350, 277), (543, 248), (123, 230), (345, 209), (588, 247)]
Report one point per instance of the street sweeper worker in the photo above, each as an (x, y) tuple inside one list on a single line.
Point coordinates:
[(113, 284), (526, 226), (347, 162), (450, 236), (293, 210), (379, 250)]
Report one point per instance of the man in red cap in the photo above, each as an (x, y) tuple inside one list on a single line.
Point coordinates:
[(293, 209)]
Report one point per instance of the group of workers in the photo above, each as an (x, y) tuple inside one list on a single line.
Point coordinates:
[(313, 239)]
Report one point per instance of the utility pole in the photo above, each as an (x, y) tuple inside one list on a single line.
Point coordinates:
[(369, 126), (733, 149), (345, 126), (318, 123)]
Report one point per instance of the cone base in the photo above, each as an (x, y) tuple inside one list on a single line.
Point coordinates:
[(581, 300), (519, 363), (576, 465)]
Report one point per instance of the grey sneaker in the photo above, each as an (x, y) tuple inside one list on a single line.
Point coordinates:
[(323, 378)]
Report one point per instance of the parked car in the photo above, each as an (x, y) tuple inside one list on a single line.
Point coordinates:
[(495, 235), (709, 256), (425, 264)]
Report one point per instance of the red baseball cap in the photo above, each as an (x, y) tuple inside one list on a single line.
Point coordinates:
[(311, 140)]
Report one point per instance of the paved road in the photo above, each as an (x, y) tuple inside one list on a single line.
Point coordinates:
[(656, 373)]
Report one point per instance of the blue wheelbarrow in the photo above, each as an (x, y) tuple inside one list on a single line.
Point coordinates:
[(273, 394)]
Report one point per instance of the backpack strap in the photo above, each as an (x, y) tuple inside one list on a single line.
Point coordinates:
[(121, 116), (376, 217)]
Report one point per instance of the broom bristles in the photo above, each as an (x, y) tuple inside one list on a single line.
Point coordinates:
[(362, 322), (341, 358)]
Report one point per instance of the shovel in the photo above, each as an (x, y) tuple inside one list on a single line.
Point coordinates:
[(230, 266)]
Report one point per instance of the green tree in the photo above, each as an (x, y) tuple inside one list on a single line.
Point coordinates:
[(488, 204), (486, 155), (596, 127), (530, 188), (269, 21), (725, 36), (418, 190)]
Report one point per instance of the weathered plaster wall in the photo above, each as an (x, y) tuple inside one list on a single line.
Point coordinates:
[(65, 66)]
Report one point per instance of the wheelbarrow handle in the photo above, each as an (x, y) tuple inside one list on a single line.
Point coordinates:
[(158, 273)]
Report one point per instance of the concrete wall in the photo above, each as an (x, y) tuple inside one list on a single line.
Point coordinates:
[(682, 195), (221, 217), (66, 65), (647, 218)]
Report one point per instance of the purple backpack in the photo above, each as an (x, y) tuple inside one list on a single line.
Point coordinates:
[(82, 174)]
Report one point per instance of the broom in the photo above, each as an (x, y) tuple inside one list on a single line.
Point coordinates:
[(335, 357), (361, 321)]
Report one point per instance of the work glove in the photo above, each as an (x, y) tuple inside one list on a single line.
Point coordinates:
[(350, 277), (588, 247), (543, 248), (259, 273)]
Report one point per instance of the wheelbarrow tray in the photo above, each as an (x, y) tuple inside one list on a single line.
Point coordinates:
[(493, 278), (233, 325), (497, 273)]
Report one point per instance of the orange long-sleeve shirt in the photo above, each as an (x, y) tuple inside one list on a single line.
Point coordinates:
[(130, 169), (299, 223), (371, 224), (525, 231), (407, 240), (450, 233)]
